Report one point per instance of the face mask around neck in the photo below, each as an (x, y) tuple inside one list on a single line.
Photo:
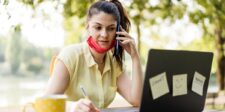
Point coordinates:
[(94, 45)]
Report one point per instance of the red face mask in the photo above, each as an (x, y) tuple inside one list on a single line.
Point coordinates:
[(94, 45)]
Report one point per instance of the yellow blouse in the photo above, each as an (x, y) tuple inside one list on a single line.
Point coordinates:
[(83, 71)]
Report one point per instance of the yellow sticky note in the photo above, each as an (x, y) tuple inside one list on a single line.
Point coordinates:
[(179, 84), (159, 85), (198, 83)]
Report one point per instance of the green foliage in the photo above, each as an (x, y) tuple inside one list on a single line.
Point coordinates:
[(4, 2), (147, 14), (168, 9), (76, 8), (211, 10), (74, 30), (210, 14), (14, 49), (75, 12), (32, 3), (138, 6)]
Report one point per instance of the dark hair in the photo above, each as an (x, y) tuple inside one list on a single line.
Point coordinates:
[(115, 8)]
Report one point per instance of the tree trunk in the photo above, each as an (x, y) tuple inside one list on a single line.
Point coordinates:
[(138, 37), (220, 58)]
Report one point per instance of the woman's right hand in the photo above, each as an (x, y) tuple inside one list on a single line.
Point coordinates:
[(84, 105)]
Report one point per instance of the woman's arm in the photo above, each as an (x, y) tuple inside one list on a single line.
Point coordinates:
[(59, 82), (59, 79), (131, 89)]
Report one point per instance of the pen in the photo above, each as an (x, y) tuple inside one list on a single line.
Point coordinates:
[(83, 92), (85, 95)]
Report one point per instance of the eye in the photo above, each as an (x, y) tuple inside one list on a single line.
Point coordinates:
[(112, 29), (98, 28)]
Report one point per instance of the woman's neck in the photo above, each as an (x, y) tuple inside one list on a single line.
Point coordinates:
[(99, 58)]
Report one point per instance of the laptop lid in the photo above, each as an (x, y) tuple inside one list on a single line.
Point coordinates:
[(167, 64)]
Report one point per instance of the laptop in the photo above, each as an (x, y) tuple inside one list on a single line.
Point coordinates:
[(190, 67)]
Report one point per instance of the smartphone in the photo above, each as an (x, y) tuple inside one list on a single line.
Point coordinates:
[(117, 41)]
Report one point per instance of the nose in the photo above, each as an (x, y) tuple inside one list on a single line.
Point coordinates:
[(104, 33)]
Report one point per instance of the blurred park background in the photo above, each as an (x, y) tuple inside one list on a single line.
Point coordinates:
[(33, 31)]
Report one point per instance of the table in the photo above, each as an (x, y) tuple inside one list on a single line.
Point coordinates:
[(116, 109), (133, 109)]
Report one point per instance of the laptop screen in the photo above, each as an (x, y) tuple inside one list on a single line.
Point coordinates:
[(176, 81)]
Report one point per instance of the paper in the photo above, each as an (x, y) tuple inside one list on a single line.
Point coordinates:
[(179, 84), (198, 83), (159, 85)]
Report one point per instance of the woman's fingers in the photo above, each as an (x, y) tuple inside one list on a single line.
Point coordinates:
[(86, 106), (126, 41), (123, 39), (123, 34), (87, 103), (90, 104), (82, 106), (121, 28)]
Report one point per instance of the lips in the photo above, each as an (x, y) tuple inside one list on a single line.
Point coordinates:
[(103, 42)]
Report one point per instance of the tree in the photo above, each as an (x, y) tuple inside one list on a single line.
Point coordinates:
[(2, 49), (138, 7), (76, 10), (210, 14), (13, 50)]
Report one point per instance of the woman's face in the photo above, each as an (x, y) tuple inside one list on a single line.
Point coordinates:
[(102, 27)]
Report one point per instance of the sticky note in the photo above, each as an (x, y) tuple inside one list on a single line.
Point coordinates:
[(159, 85), (198, 83), (179, 84)]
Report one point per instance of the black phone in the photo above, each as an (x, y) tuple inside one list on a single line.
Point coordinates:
[(117, 41)]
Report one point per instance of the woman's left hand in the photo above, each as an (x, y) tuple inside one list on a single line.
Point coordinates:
[(127, 42)]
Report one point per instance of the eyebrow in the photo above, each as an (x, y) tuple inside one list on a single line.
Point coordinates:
[(107, 26)]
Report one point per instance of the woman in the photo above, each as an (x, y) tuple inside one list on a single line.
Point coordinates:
[(96, 65)]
